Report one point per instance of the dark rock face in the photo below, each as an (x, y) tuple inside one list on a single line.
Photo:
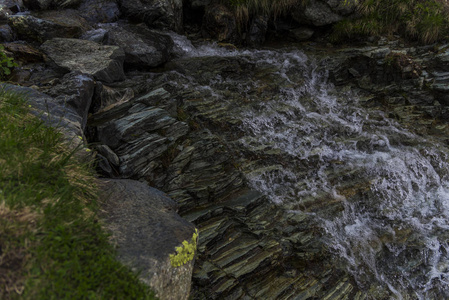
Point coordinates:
[(50, 4), (219, 23), (160, 14), (104, 63), (47, 25), (143, 47), (257, 31), (75, 90), (146, 228), (99, 11), (320, 12)]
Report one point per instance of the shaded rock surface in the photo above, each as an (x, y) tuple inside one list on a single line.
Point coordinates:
[(104, 63), (146, 229), (143, 48), (161, 14), (49, 24)]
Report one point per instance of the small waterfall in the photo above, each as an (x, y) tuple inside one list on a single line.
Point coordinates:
[(379, 191)]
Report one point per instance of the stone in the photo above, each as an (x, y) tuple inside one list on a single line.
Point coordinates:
[(47, 25), (50, 4), (158, 14), (146, 229), (99, 11), (53, 113), (315, 13), (75, 90), (104, 63), (219, 23), (257, 31), (6, 33), (142, 47), (301, 34), (24, 52)]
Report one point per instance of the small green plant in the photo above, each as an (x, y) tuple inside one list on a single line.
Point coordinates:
[(6, 63), (186, 252)]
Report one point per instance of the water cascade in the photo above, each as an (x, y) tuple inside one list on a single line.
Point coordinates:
[(385, 189)]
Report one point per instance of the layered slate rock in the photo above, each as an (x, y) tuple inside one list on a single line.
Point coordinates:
[(75, 90), (104, 63), (49, 24), (146, 229), (160, 14), (143, 47), (140, 134)]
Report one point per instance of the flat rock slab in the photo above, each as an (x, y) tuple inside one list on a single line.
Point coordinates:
[(146, 229), (104, 63)]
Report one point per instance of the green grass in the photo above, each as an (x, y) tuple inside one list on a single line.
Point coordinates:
[(426, 21), (51, 243)]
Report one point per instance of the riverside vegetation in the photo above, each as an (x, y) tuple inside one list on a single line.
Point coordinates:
[(52, 246)]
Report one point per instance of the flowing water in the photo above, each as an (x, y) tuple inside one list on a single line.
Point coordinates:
[(379, 191)]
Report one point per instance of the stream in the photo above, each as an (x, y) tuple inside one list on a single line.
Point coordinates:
[(389, 187)]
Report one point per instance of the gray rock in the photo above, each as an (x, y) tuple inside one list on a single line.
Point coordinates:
[(196, 4), (99, 11), (47, 25), (52, 112), (146, 229), (104, 63), (75, 90), (6, 33), (108, 154), (316, 13), (143, 47), (160, 14)]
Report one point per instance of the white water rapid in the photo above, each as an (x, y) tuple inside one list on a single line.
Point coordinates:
[(379, 191)]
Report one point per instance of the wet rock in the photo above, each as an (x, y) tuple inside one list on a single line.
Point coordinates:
[(219, 23), (104, 63), (146, 229), (143, 47), (47, 25), (160, 14)]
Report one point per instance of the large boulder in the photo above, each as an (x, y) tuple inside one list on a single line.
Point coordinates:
[(99, 11), (143, 47), (160, 14), (104, 63), (46, 25), (146, 229), (322, 12)]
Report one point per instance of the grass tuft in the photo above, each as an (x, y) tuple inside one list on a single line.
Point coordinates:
[(426, 21), (51, 244)]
